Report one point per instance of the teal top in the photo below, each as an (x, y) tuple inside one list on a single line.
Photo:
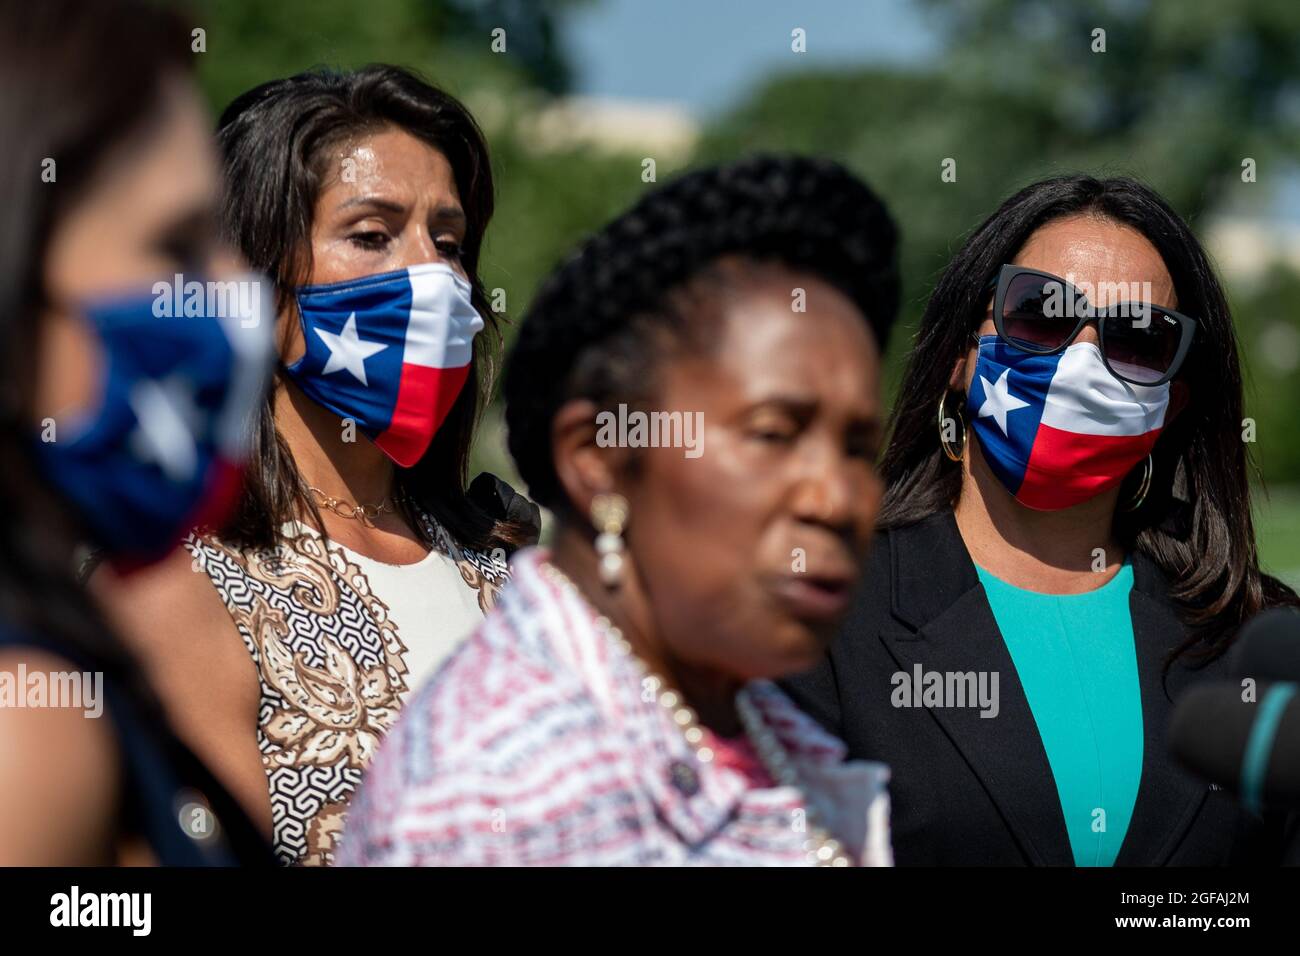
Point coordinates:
[(1076, 660)]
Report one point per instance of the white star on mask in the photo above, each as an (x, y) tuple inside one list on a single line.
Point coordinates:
[(347, 351), (998, 400), (167, 420)]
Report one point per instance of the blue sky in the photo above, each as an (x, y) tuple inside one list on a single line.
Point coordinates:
[(705, 54)]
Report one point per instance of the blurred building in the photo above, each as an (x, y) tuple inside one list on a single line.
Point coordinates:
[(662, 129)]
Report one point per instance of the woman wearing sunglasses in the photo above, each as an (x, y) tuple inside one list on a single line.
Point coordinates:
[(1066, 546)]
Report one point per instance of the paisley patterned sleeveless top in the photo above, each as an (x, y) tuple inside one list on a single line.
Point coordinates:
[(339, 640)]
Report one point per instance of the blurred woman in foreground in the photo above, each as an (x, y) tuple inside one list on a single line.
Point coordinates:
[(695, 395), (121, 425)]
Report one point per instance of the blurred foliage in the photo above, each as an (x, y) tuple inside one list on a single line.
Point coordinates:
[(1277, 529), (1269, 330), (252, 41), (1183, 89)]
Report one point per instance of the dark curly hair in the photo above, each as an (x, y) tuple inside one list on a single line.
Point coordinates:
[(597, 325)]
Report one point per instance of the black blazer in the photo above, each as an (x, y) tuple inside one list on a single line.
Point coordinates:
[(970, 790)]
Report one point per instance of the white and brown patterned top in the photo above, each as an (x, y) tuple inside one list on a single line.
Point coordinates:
[(338, 640)]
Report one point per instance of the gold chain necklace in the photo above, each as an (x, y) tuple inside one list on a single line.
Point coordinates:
[(346, 509), (821, 848)]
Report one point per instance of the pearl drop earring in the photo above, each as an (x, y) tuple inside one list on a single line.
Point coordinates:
[(609, 515)]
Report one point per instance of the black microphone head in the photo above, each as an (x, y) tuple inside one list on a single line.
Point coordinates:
[(1268, 647), (1210, 730)]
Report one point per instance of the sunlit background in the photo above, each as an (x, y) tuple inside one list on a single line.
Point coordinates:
[(1183, 95)]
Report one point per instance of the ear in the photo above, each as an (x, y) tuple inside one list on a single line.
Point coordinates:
[(957, 380), (1180, 396), (288, 333), (583, 467)]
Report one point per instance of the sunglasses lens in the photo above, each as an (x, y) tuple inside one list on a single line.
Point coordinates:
[(1037, 314), (1142, 348)]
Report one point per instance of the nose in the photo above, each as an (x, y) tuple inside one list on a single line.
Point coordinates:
[(1089, 333), (828, 494), (422, 248)]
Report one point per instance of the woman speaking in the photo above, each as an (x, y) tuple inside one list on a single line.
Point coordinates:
[(1067, 545), (615, 708)]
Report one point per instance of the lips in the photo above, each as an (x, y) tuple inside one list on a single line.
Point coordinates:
[(815, 597)]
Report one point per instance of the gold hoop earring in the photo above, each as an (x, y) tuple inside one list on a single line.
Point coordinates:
[(1148, 472), (943, 422), (609, 516)]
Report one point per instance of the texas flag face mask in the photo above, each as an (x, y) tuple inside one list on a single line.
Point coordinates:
[(391, 352), (162, 447), (1059, 429)]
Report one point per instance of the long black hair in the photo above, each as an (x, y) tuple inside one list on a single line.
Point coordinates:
[(604, 319), (276, 140), (1195, 523), (80, 80)]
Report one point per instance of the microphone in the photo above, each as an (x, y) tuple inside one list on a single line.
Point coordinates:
[(1268, 647), (1250, 747)]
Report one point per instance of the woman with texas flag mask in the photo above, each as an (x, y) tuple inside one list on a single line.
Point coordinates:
[(1066, 545), (120, 426), (358, 559)]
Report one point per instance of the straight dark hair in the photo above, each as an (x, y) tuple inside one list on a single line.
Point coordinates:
[(80, 82), (1195, 523), (276, 141)]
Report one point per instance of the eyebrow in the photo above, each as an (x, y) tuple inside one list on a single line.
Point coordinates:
[(376, 202), (445, 213), (193, 223), (803, 406), (450, 213), (787, 401)]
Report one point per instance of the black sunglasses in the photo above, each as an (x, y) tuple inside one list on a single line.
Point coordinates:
[(1041, 313)]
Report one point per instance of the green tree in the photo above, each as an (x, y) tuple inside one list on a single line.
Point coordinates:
[(252, 41)]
